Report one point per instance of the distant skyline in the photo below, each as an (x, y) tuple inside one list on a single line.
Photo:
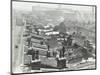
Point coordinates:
[(28, 6)]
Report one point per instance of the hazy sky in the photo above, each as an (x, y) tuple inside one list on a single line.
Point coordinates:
[(28, 6)]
